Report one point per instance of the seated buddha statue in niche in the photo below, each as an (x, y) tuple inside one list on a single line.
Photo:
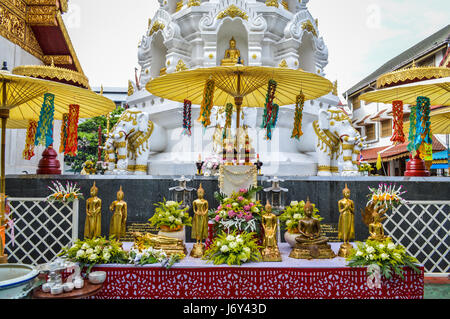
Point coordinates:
[(232, 54)]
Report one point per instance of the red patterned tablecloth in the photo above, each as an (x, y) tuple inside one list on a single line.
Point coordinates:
[(253, 283)]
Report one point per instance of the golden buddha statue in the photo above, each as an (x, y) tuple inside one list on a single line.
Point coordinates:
[(373, 217), (232, 54), (92, 227), (310, 243), (117, 227), (199, 223), (346, 229), (270, 252), (169, 245)]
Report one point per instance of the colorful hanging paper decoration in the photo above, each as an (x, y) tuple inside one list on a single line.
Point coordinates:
[(65, 123), (272, 121), (398, 136), (28, 152), (187, 115), (228, 115), (207, 103), (72, 131), (44, 131), (299, 105), (270, 115), (422, 135), (412, 130), (268, 107)]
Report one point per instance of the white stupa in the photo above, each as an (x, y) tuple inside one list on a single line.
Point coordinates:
[(196, 34)]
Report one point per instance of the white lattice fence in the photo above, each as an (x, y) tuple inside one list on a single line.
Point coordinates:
[(41, 229), (423, 227)]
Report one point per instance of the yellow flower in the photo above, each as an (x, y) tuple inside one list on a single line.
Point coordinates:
[(375, 197)]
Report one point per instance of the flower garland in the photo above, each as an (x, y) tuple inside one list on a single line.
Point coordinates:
[(233, 249), (386, 256), (269, 118), (187, 115), (207, 103), (44, 131), (412, 129), (228, 115), (423, 124), (299, 105), (398, 137), (72, 131), (65, 123), (28, 152)]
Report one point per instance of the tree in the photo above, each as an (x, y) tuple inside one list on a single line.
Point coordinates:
[(88, 139)]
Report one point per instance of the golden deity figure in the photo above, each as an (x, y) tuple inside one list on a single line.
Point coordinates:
[(199, 223), (117, 227), (169, 245), (346, 229), (373, 218), (92, 227), (310, 243), (232, 54), (270, 253)]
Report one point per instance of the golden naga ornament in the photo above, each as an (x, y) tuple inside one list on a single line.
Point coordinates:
[(118, 223), (346, 228), (92, 228), (199, 223), (270, 253), (310, 244), (373, 216)]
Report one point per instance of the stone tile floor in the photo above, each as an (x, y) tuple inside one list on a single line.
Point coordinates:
[(437, 288)]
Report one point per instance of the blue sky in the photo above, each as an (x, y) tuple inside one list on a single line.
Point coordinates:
[(361, 35)]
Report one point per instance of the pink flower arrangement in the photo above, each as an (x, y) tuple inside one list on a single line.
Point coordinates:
[(238, 212)]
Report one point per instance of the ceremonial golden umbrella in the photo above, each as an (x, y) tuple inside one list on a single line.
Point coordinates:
[(247, 85), (438, 91), (21, 99)]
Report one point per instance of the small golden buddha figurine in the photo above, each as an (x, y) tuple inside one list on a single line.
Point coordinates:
[(346, 229), (117, 227), (199, 223), (92, 227), (373, 217), (232, 54), (270, 252), (310, 243)]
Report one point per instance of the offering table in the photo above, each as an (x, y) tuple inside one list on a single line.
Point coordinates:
[(290, 279)]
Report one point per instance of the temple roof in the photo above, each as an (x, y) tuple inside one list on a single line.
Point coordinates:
[(432, 42), (41, 32)]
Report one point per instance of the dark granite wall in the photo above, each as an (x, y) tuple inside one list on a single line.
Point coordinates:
[(143, 191)]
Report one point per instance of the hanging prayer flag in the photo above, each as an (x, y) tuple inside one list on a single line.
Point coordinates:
[(398, 137), (72, 131), (207, 103), (44, 131), (64, 126), (187, 114), (28, 152), (299, 105)]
